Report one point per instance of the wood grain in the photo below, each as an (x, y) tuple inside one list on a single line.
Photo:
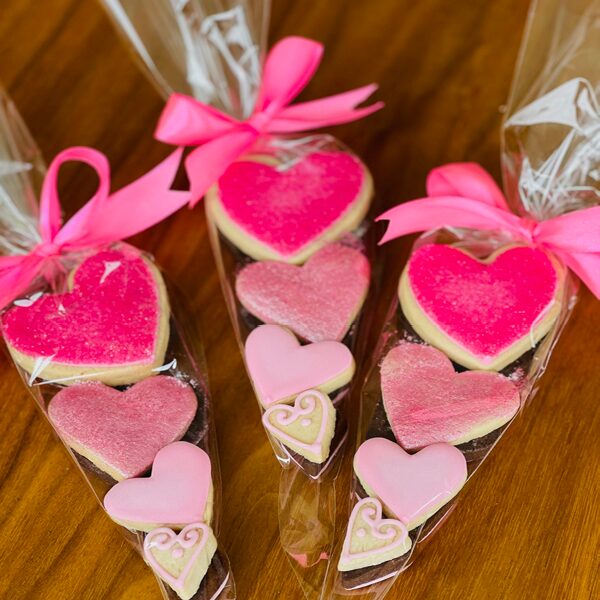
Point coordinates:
[(527, 524)]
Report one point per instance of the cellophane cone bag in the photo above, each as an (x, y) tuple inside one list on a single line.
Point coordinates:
[(102, 341), (479, 306), (289, 230)]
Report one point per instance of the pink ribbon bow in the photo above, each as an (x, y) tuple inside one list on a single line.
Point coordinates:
[(289, 67), (104, 219), (465, 195)]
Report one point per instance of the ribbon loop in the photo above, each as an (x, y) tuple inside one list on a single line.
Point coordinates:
[(464, 195), (104, 219), (221, 140)]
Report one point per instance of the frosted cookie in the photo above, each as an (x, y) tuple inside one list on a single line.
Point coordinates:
[(280, 368), (370, 539), (426, 401), (318, 301), (113, 324), (411, 487), (482, 314), (307, 427), (287, 214), (178, 492), (121, 432), (181, 560)]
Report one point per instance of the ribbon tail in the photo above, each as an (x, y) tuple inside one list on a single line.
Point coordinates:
[(205, 165), (587, 268), (16, 275), (130, 210), (450, 211), (323, 112)]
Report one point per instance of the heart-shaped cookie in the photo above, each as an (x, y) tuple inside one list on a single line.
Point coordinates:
[(280, 368), (281, 212), (426, 401), (370, 539), (178, 492), (482, 314), (181, 560), (307, 427), (318, 301), (99, 422), (112, 326), (411, 487)]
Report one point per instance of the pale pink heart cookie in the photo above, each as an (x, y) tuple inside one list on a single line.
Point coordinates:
[(426, 401), (178, 492), (112, 326), (370, 539), (181, 560), (280, 368), (286, 214), (411, 487), (121, 432), (307, 427), (482, 314), (318, 301)]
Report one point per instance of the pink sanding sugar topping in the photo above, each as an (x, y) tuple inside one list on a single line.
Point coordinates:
[(109, 318), (124, 429), (288, 209), (483, 307), (317, 301), (426, 401)]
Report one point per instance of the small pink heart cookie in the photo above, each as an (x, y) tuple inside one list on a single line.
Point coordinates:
[(482, 314), (426, 401), (112, 326), (411, 487), (318, 301), (370, 539), (279, 212), (178, 492), (99, 422), (280, 368), (307, 427), (181, 560)]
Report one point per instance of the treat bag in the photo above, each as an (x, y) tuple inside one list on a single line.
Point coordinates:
[(102, 342), (286, 209), (480, 303)]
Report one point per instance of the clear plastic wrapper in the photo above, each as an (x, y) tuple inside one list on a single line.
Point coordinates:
[(432, 412), (287, 218), (102, 341)]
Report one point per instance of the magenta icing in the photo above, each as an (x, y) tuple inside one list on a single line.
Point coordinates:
[(410, 486), (110, 317), (280, 367), (484, 308), (426, 401), (288, 209), (125, 429), (194, 536), (177, 491), (317, 301)]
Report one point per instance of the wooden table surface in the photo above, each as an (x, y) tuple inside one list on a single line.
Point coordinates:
[(527, 525)]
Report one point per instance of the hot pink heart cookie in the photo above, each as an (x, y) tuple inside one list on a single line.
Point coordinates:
[(113, 325), (483, 315), (121, 432), (178, 492), (410, 487), (181, 560), (285, 214), (426, 401), (318, 301), (280, 368)]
